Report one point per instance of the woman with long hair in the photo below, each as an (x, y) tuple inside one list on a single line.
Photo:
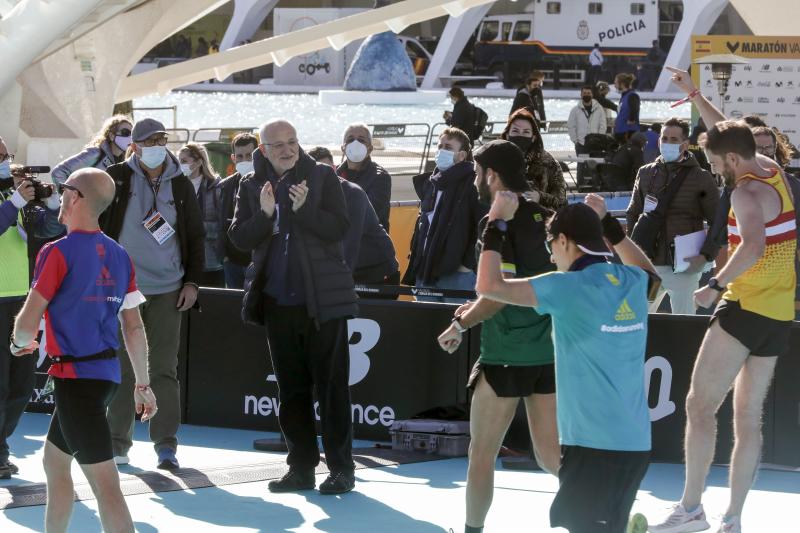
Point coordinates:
[(196, 166), (542, 171), (106, 148)]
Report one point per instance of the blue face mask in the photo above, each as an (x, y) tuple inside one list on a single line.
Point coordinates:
[(671, 152), (445, 159), (5, 169), (153, 156)]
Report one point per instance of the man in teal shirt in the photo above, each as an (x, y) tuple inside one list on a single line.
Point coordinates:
[(599, 314)]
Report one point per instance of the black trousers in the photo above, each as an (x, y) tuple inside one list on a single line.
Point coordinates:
[(16, 378), (309, 360)]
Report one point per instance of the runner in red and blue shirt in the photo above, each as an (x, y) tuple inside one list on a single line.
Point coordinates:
[(88, 279)]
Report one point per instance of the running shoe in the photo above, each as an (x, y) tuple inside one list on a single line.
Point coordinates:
[(731, 525), (13, 468), (121, 460), (682, 521), (167, 459), (637, 524)]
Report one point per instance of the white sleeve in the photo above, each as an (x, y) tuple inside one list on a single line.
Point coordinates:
[(133, 299)]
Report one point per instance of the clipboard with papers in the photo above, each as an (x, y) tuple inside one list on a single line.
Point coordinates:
[(688, 246)]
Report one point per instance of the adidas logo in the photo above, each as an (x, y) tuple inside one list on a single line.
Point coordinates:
[(624, 312)]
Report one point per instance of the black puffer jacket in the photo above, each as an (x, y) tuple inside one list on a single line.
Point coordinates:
[(318, 228)]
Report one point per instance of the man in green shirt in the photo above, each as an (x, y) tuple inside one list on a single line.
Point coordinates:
[(516, 358)]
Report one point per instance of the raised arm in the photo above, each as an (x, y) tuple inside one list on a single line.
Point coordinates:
[(491, 283), (709, 113)]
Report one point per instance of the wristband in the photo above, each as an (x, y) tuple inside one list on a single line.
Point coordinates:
[(142, 388), (493, 238), (459, 326), (14, 344), (612, 230)]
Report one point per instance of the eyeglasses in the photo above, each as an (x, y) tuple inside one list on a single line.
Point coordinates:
[(124, 132), (9, 157), (160, 141), (281, 145), (65, 186), (766, 150)]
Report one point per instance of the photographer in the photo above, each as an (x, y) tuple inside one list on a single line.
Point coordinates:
[(22, 222)]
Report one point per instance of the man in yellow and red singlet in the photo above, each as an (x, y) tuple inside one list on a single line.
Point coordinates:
[(750, 328)]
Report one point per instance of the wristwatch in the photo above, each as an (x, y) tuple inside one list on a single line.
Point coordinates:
[(713, 283)]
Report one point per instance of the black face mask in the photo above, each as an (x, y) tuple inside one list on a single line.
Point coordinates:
[(586, 99), (523, 143)]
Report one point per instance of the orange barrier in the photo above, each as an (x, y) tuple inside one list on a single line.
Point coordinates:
[(401, 227)]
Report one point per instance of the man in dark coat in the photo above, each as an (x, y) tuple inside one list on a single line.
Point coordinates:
[(291, 213)]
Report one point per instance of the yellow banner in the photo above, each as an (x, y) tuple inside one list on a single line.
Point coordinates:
[(753, 46)]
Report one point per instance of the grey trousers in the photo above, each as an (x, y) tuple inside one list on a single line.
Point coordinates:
[(162, 324)]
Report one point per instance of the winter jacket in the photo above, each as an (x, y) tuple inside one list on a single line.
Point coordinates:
[(533, 102), (544, 174), (696, 201), (368, 250), (628, 116), (189, 228), (376, 182), (463, 117), (229, 188), (453, 230), (582, 122), (94, 156), (209, 199), (318, 229)]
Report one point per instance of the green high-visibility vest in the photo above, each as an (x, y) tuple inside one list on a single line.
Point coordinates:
[(13, 261)]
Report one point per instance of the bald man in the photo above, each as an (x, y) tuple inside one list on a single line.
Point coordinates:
[(291, 214), (86, 283)]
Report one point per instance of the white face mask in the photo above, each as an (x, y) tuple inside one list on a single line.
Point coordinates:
[(244, 167), (186, 168), (153, 156), (5, 169), (356, 151), (445, 159), (122, 142)]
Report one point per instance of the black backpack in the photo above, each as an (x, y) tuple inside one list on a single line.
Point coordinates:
[(479, 122)]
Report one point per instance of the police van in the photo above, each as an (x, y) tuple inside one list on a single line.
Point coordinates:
[(556, 37)]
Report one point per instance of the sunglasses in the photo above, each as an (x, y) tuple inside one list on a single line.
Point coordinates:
[(66, 187), (548, 244), (125, 132)]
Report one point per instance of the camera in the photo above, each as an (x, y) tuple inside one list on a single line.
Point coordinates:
[(41, 190)]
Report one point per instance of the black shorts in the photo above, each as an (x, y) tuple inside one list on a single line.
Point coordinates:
[(763, 336), (515, 381), (597, 489), (79, 426)]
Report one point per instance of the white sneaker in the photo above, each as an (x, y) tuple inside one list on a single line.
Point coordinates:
[(121, 460), (733, 525), (682, 521)]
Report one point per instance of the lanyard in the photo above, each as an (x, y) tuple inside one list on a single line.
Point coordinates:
[(155, 187)]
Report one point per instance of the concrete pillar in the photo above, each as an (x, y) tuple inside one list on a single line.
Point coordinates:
[(454, 37), (68, 94), (248, 15), (698, 17)]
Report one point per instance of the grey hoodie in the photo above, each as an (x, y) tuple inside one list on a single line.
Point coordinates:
[(158, 267)]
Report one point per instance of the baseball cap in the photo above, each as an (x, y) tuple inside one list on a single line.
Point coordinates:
[(505, 158), (145, 128), (579, 222), (602, 85)]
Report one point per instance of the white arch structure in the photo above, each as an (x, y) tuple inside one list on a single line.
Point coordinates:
[(67, 61), (281, 48)]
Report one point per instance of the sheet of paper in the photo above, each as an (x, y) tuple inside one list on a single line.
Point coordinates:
[(687, 246)]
